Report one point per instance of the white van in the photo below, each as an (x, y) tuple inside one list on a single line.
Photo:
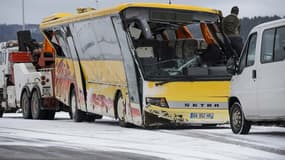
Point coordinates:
[(258, 85)]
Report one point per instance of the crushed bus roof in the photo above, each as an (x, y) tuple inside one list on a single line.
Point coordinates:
[(56, 16), (63, 18)]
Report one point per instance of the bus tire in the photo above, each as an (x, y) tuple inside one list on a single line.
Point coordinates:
[(97, 116), (121, 110), (26, 105), (239, 124), (209, 125), (77, 115), (36, 106), (93, 117), (50, 115), (90, 118), (70, 113), (1, 112)]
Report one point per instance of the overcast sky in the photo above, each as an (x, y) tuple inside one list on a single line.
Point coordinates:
[(35, 10)]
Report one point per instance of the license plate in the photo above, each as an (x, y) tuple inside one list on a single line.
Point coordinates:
[(202, 115)]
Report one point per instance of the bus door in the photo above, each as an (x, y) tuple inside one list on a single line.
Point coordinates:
[(133, 100), (62, 67), (79, 84)]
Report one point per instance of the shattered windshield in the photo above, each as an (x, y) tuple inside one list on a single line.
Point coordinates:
[(169, 47)]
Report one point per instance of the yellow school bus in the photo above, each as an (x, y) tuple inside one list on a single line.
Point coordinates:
[(142, 63)]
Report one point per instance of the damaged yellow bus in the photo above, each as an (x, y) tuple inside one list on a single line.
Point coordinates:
[(145, 64)]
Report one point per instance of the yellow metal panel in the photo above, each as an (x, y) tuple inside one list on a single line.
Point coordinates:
[(119, 8), (103, 79), (56, 16), (203, 91), (104, 71), (167, 6)]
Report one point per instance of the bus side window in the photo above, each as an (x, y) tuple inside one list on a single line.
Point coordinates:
[(60, 47), (1, 57)]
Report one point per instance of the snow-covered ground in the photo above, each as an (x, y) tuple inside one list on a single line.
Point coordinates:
[(105, 137)]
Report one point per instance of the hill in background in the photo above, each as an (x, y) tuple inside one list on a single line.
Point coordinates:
[(248, 23), (9, 32)]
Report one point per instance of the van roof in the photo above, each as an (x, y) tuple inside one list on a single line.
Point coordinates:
[(270, 24), (60, 18)]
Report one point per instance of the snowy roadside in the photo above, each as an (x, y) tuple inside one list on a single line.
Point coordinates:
[(105, 135)]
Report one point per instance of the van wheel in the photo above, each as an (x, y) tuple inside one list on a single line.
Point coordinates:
[(121, 110), (36, 106), (26, 106), (77, 115), (239, 124)]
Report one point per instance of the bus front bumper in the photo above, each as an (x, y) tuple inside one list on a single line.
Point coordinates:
[(185, 116)]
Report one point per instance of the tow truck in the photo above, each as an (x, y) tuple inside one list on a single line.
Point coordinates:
[(26, 79)]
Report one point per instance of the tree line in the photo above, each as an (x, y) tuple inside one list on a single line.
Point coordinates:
[(9, 31)]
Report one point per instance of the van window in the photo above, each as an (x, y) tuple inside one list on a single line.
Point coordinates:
[(267, 46), (273, 43), (248, 55), (279, 47), (251, 51)]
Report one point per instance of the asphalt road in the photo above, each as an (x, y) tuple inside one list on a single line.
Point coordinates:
[(16, 152)]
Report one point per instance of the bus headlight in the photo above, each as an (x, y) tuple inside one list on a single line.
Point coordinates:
[(157, 102)]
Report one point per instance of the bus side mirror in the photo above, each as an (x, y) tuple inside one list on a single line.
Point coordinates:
[(232, 66)]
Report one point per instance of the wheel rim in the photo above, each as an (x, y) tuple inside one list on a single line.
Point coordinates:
[(35, 105), (121, 109), (25, 103), (236, 119)]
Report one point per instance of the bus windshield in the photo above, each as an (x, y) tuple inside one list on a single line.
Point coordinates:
[(172, 45)]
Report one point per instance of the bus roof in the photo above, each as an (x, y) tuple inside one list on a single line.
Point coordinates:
[(63, 18)]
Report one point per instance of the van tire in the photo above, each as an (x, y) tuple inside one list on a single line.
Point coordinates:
[(26, 105), (77, 115), (239, 124)]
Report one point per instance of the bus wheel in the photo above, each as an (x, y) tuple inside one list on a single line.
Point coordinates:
[(1, 112), (90, 118), (93, 117), (97, 116), (70, 113), (121, 110), (209, 125), (50, 115), (26, 107), (239, 124), (36, 106), (77, 115)]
